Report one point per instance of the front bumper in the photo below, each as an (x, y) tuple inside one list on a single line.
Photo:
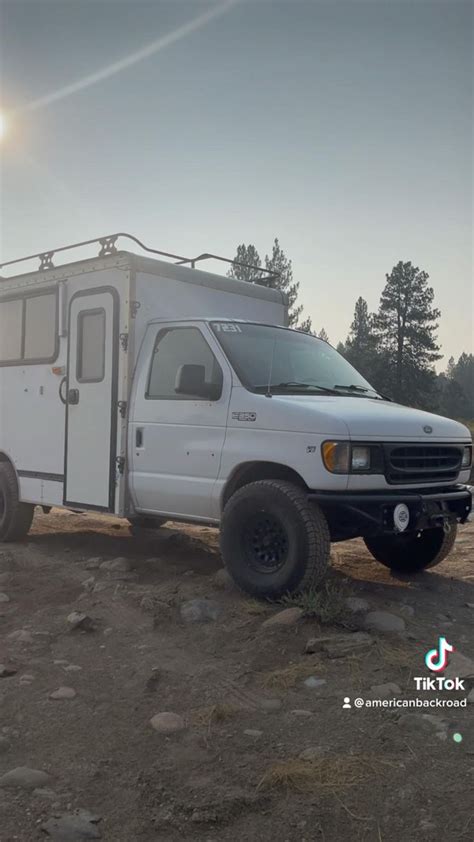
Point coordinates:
[(371, 513)]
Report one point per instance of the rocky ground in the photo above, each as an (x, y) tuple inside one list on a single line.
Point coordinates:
[(143, 698)]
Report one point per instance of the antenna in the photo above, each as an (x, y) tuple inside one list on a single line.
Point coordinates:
[(269, 386)]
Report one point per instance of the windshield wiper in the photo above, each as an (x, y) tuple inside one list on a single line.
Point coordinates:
[(298, 384), (353, 387)]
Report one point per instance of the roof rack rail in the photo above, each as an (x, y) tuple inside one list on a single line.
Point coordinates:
[(108, 246)]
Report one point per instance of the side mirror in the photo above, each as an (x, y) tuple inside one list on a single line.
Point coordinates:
[(191, 380)]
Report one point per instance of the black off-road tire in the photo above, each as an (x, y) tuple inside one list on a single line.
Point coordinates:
[(412, 553), (138, 524), (15, 517), (274, 540)]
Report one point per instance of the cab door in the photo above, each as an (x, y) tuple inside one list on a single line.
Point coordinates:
[(176, 437), (91, 400)]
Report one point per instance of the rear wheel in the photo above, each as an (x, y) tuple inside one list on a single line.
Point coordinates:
[(412, 553), (15, 516), (273, 540)]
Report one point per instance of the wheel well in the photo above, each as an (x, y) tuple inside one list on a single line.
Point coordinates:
[(254, 471)]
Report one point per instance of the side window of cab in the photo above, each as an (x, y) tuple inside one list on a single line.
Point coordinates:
[(183, 367)]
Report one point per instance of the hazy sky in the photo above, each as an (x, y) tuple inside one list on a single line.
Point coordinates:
[(343, 128)]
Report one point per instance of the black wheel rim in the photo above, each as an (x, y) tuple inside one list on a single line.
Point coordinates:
[(266, 543)]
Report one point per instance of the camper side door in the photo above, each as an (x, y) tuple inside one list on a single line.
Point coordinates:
[(178, 420)]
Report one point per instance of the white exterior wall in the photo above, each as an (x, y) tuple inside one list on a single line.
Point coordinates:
[(32, 416)]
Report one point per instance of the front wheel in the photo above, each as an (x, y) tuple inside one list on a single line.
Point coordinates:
[(15, 517), (274, 540), (413, 553)]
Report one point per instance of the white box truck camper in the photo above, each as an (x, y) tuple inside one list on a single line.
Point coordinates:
[(154, 390)]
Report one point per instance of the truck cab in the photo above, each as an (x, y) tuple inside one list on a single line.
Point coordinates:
[(274, 436)]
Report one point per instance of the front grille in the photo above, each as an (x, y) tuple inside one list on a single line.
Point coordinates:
[(422, 463)]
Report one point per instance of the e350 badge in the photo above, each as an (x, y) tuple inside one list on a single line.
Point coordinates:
[(244, 416)]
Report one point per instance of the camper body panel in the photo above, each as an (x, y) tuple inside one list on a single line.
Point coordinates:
[(48, 442), (65, 430)]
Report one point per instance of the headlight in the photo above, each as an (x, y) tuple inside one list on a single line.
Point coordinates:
[(336, 456), (360, 458), (342, 457), (466, 457)]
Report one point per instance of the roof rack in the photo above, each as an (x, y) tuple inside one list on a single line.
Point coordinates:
[(108, 246)]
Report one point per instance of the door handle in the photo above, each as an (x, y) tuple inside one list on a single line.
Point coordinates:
[(73, 397), (139, 437)]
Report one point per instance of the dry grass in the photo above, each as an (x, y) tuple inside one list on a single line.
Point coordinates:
[(330, 774), (283, 679), (327, 604), (219, 712), (254, 608), (394, 655)]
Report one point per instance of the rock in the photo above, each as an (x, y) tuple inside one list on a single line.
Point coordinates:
[(4, 745), (21, 636), (74, 827), (4, 597), (45, 794), (313, 683), (26, 678), (167, 723), (383, 621), (287, 617), (423, 722), (340, 646), (200, 611), (384, 691), (117, 565), (88, 584), (311, 753), (302, 713), (469, 604), (63, 693), (72, 668), (6, 672), (24, 778), (356, 603), (459, 665), (78, 620), (406, 611), (253, 732), (435, 721), (270, 705), (224, 580), (93, 563)]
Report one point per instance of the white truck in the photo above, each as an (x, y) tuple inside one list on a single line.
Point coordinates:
[(156, 391)]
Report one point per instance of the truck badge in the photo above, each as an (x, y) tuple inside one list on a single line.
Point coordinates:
[(244, 416)]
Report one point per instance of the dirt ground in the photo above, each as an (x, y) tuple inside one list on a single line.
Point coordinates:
[(234, 770)]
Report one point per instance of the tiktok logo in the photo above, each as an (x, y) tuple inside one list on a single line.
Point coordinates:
[(437, 659)]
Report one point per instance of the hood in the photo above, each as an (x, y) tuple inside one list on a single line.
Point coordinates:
[(365, 418)]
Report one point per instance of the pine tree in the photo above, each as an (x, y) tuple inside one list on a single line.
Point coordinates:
[(279, 263), (250, 256), (406, 326), (361, 344), (282, 279), (323, 335)]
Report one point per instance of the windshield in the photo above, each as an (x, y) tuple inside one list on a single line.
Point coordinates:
[(290, 361)]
